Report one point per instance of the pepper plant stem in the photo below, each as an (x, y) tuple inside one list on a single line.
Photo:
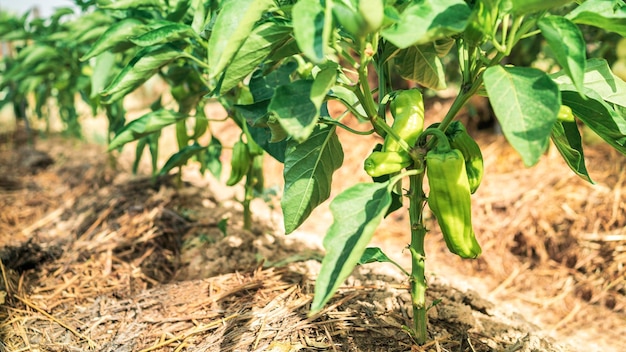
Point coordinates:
[(247, 199), (417, 200)]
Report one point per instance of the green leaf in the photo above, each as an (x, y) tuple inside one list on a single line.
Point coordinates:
[(178, 12), (264, 137), (129, 4), (374, 255), (38, 54), (233, 25), (425, 21), (152, 141), (149, 123), (568, 45), (599, 116), (598, 78), (144, 65), (104, 66), (609, 15), (210, 159), (119, 33), (309, 21), (567, 140), (199, 9), (526, 102), (181, 157), (308, 171), (262, 85), (421, 64), (521, 7), (357, 212), (295, 111), (165, 34), (325, 79), (254, 50)]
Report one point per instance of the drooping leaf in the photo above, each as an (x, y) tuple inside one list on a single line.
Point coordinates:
[(609, 15), (295, 111), (143, 66), (165, 34), (598, 78), (254, 50), (567, 140), (149, 123), (309, 21), (421, 64), (233, 25), (599, 116), (181, 157), (425, 21), (357, 212), (308, 171), (118, 33), (526, 102), (568, 45)]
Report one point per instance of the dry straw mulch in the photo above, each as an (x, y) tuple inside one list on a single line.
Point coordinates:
[(113, 264)]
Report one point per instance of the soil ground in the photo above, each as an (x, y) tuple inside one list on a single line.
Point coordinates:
[(94, 258)]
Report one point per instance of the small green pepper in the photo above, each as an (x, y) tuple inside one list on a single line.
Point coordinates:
[(385, 163), (239, 162), (407, 109), (565, 114), (461, 140)]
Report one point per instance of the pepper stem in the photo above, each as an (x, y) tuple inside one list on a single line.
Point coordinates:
[(417, 281), (442, 140)]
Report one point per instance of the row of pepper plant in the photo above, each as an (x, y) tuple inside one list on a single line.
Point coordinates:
[(274, 65)]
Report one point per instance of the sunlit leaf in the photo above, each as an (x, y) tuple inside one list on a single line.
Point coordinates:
[(421, 64), (149, 123), (357, 212), (143, 66), (609, 15), (165, 34), (598, 78), (522, 7), (181, 157), (425, 21), (526, 102), (309, 20), (568, 45), (118, 33), (254, 50), (129, 4), (233, 25)]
